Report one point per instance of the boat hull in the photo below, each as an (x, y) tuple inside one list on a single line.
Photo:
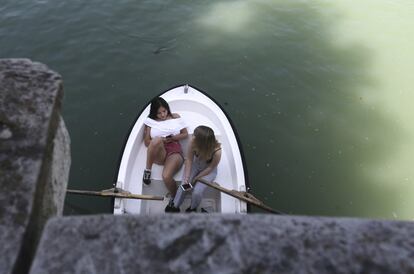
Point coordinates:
[(196, 108)]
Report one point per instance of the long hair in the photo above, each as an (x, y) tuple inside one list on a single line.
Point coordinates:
[(156, 103), (205, 141)]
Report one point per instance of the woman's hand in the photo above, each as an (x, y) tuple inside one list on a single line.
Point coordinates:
[(168, 139)]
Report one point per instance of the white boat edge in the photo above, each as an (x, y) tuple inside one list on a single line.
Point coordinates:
[(222, 126)]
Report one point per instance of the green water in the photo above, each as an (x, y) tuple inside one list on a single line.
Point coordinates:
[(320, 91)]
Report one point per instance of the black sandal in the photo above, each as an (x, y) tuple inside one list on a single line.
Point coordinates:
[(189, 210), (146, 178), (171, 208)]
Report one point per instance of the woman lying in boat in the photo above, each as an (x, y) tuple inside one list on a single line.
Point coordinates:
[(162, 133), (203, 157)]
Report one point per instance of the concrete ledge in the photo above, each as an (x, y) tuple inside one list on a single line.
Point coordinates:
[(198, 243), (34, 158)]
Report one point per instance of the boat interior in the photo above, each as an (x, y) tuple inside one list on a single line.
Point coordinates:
[(130, 178), (211, 199)]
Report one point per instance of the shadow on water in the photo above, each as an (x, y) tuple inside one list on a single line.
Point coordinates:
[(311, 134)]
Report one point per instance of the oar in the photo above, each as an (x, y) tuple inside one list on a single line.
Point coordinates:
[(116, 193), (244, 196)]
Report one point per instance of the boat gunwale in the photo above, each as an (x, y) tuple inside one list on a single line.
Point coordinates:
[(236, 134)]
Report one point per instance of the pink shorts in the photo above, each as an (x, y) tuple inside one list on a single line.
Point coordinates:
[(173, 147)]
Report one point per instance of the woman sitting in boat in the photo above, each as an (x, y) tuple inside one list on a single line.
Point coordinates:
[(203, 157), (162, 133)]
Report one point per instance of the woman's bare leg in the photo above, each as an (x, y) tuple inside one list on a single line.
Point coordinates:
[(171, 166), (155, 153)]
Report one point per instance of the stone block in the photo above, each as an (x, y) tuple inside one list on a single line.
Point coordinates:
[(34, 158), (213, 243)]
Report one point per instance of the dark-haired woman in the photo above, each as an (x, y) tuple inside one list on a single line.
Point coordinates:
[(163, 131)]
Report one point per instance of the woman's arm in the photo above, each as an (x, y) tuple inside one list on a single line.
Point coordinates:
[(147, 136), (214, 163), (180, 136), (188, 162)]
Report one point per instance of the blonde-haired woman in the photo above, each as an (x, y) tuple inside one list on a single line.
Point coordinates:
[(202, 159)]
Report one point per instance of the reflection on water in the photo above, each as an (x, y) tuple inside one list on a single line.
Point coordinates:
[(233, 17), (319, 91)]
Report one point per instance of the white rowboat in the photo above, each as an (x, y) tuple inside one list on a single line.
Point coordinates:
[(196, 108)]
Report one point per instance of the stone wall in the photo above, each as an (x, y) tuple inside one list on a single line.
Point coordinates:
[(213, 243), (34, 158)]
